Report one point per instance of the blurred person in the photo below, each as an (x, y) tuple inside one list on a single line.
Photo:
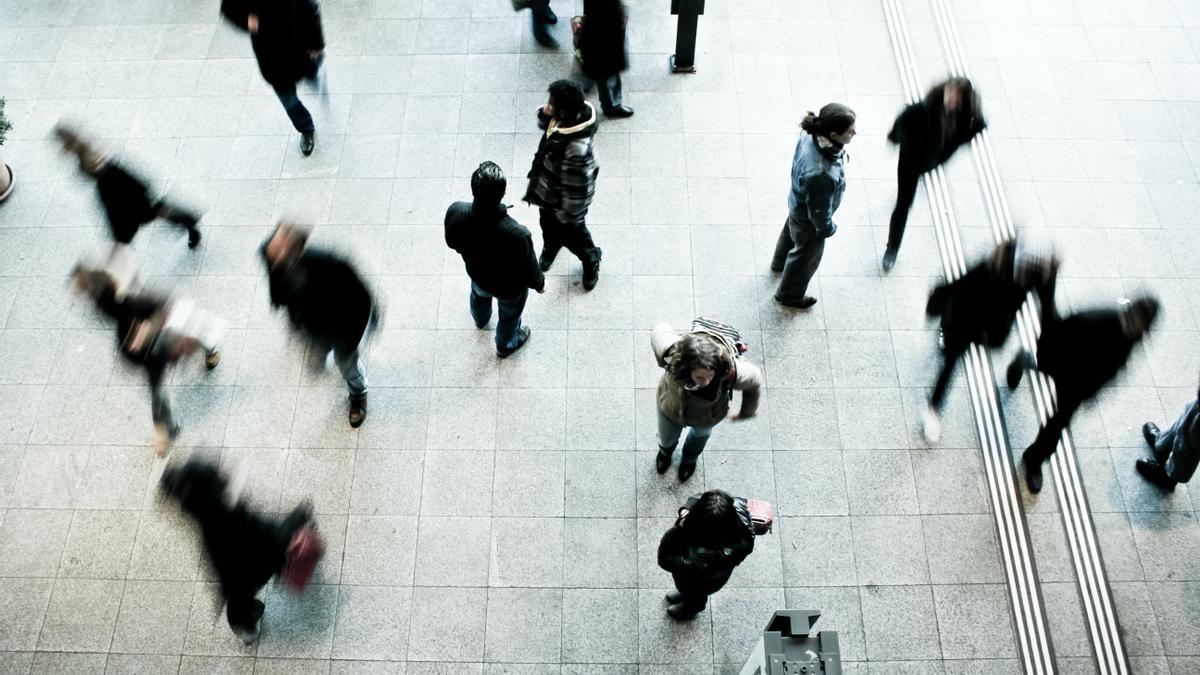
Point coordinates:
[(562, 179), (153, 333), (326, 301), (124, 195), (981, 306), (542, 17), (603, 54), (818, 181), (499, 256), (712, 535), (245, 549), (289, 45), (928, 132), (702, 370), (1176, 450), (1082, 353)]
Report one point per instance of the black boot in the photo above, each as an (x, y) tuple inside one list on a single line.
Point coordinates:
[(662, 461), (1150, 432), (686, 469), (1023, 361), (674, 597), (193, 237), (1155, 473), (1033, 472), (546, 259), (358, 410), (889, 260), (591, 274), (680, 613)]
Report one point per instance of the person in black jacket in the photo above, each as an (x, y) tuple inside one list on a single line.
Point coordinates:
[(1082, 352), (562, 179), (289, 46), (980, 306), (712, 535), (326, 301), (499, 256), (928, 132), (124, 195), (1176, 450), (245, 549), (602, 52)]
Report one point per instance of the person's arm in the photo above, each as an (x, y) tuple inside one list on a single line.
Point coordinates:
[(662, 339), (537, 279), (310, 18), (578, 177), (900, 132), (818, 197), (236, 13), (676, 555), (749, 382)]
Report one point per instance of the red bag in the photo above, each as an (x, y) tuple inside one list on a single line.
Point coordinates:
[(303, 554), (762, 515)]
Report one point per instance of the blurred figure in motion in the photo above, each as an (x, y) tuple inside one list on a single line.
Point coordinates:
[(543, 17), (562, 179), (153, 333), (1176, 450), (712, 535), (980, 306), (602, 52), (124, 195), (928, 132), (326, 301), (245, 549), (499, 256), (290, 46), (1082, 353), (818, 181)]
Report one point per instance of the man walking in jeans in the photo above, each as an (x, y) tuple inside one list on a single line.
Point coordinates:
[(499, 256), (289, 46)]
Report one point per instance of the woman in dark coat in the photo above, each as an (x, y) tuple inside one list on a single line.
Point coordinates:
[(602, 51), (712, 535), (928, 132)]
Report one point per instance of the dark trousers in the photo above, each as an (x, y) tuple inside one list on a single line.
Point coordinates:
[(574, 236), (798, 255), (610, 92), (907, 179), (242, 609), (181, 217), (695, 595), (540, 11), (508, 326), (244, 612), (1047, 439), (301, 119), (1178, 458), (160, 406), (950, 357)]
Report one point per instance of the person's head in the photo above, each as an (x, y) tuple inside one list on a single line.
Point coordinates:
[(835, 122), (697, 360), (286, 244), (955, 93), (566, 100), (1138, 315), (197, 485), (715, 517), (488, 185), (1030, 261), (90, 159)]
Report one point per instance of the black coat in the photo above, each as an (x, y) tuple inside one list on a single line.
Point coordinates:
[(126, 200), (128, 312), (981, 305), (925, 142), (497, 250), (1083, 351), (602, 42), (287, 30), (324, 297), (698, 566)]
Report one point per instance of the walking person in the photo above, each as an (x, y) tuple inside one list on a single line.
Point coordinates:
[(928, 132), (124, 195), (708, 541), (153, 333), (499, 255), (542, 17), (562, 178), (818, 181), (246, 550), (981, 306), (603, 54), (702, 370), (327, 302), (1176, 450), (289, 45), (1082, 352)]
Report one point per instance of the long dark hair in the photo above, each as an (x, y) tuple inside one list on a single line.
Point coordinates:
[(717, 519), (835, 118)]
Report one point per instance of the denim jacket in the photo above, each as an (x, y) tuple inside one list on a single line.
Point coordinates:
[(818, 181)]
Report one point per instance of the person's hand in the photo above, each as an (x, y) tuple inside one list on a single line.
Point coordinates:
[(314, 54), (548, 110), (252, 23)]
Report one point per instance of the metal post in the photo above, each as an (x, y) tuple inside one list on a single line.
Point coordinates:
[(689, 11)]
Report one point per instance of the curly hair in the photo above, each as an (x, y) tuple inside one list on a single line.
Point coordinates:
[(697, 350)]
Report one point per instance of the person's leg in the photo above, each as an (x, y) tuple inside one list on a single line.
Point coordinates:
[(551, 237), (578, 240), (351, 366), (1047, 439), (950, 357), (181, 217), (481, 305), (801, 264), (297, 113), (609, 90), (697, 438), (783, 246), (508, 325), (165, 426), (907, 180), (668, 437), (244, 613), (542, 17)]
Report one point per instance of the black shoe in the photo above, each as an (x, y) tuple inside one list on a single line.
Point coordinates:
[(686, 469), (551, 17), (1150, 432), (679, 612), (522, 338), (546, 259), (193, 238), (591, 275), (545, 39), (803, 303), (674, 597), (662, 461), (1024, 361), (777, 270), (1155, 473), (358, 410), (619, 111), (889, 260), (1033, 473), (307, 143)]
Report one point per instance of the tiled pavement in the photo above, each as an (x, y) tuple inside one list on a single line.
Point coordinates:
[(505, 514)]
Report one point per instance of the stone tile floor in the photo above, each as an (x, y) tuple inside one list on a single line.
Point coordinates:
[(502, 516)]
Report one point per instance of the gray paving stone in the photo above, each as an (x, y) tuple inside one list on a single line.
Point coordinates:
[(599, 553), (447, 624), (524, 625), (888, 551), (81, 615), (600, 626), (663, 640), (453, 551), (600, 484), (25, 602), (527, 484), (526, 552), (963, 549), (818, 551), (372, 622), (153, 617), (899, 622), (380, 550), (457, 482), (33, 541), (974, 622), (99, 545)]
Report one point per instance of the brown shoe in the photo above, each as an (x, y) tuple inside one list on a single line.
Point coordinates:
[(358, 410), (211, 359)]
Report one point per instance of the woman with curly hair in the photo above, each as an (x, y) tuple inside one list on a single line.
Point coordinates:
[(702, 371)]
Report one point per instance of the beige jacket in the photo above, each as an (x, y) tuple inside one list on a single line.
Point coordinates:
[(686, 408)]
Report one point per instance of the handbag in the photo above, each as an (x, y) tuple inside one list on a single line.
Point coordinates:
[(762, 515), (577, 24), (303, 554)]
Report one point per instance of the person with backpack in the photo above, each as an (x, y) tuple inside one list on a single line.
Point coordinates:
[(712, 535), (1176, 450), (818, 181), (246, 550), (702, 368)]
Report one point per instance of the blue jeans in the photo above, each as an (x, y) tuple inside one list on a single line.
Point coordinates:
[(508, 326), (668, 437)]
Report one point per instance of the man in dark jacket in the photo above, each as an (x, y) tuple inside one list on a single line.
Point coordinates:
[(499, 256), (326, 301), (928, 132), (1082, 352), (980, 306), (289, 46), (562, 178), (602, 48), (1176, 450)]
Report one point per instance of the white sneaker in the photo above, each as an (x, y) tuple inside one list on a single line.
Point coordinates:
[(931, 425)]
